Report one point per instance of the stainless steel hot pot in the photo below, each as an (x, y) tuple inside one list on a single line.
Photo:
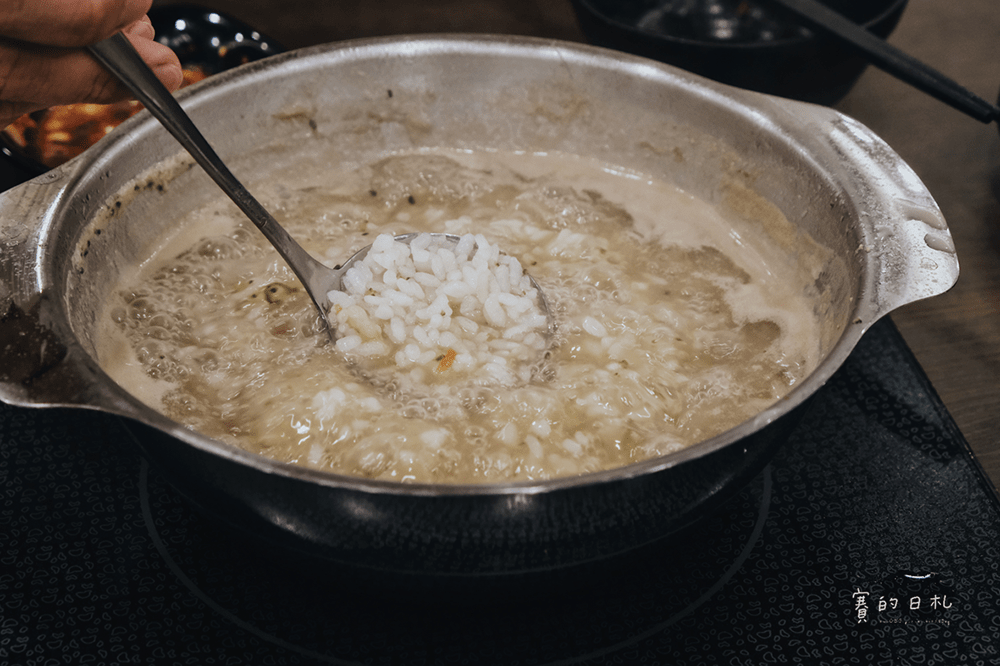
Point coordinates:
[(67, 236)]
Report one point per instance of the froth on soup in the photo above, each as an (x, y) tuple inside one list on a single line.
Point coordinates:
[(669, 326)]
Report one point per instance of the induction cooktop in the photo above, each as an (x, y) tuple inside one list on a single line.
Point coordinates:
[(873, 537)]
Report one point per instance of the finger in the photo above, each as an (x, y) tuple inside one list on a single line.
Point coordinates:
[(68, 23), (141, 29), (160, 58), (49, 76), (34, 78)]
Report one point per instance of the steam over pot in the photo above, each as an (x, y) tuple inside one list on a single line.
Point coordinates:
[(68, 235)]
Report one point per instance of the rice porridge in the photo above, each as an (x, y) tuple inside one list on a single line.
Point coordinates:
[(667, 326)]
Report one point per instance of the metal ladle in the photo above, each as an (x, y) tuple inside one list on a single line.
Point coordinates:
[(118, 56)]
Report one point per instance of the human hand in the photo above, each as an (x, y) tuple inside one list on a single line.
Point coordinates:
[(43, 62)]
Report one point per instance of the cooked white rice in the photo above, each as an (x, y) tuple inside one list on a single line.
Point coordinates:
[(437, 307)]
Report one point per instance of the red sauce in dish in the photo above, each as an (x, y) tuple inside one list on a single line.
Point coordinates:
[(60, 133)]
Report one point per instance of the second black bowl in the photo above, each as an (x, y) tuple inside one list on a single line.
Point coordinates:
[(741, 43)]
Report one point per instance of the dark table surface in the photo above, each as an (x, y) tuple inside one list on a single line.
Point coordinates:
[(956, 337)]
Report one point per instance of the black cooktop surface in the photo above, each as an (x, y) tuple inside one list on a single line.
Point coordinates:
[(873, 537)]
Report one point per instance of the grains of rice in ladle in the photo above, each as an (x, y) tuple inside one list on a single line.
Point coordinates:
[(441, 310)]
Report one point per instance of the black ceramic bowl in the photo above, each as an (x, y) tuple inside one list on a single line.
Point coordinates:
[(206, 42), (208, 39), (743, 43)]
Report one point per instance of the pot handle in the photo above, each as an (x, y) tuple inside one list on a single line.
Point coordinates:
[(40, 368), (903, 229)]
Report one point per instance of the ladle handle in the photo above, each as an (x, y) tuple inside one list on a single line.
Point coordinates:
[(118, 56), (890, 59)]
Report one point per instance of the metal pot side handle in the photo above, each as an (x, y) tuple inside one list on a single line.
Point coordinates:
[(906, 238), (39, 368)]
